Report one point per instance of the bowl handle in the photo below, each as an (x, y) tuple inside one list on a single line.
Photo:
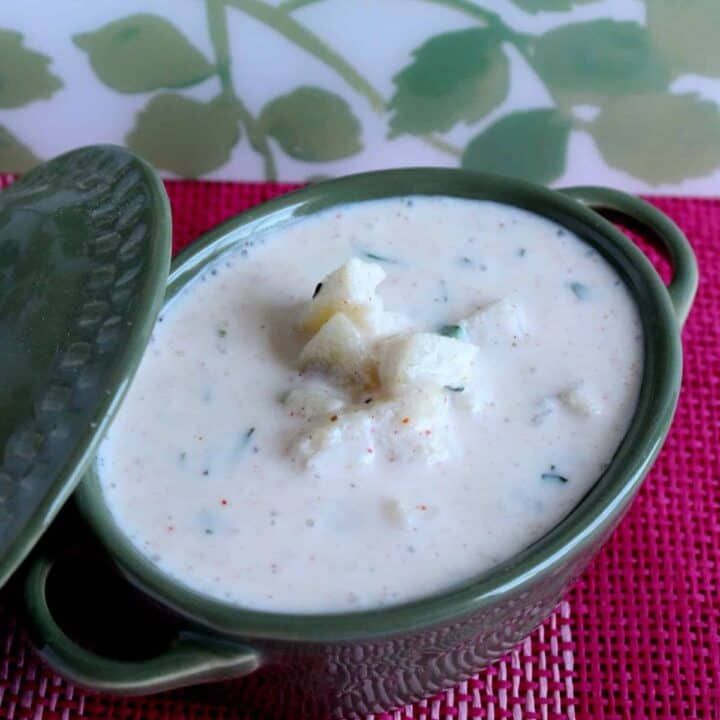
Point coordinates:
[(642, 215), (193, 658)]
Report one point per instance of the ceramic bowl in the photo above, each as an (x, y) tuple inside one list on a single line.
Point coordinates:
[(351, 664)]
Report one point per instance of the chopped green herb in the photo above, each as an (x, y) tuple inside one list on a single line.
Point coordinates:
[(318, 288), (245, 439), (465, 260), (222, 332), (581, 292), (182, 456), (370, 255), (456, 388), (452, 331), (554, 476), (522, 252), (208, 531), (541, 416)]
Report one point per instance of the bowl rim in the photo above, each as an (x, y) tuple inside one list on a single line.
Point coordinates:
[(574, 538)]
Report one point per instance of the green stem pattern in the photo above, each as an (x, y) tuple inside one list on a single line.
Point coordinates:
[(217, 25), (278, 18), (466, 7), (442, 145), (471, 10), (492, 20), (292, 5), (311, 43)]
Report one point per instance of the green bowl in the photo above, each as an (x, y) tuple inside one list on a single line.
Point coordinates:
[(351, 664)]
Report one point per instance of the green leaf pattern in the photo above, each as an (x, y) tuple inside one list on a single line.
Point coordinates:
[(454, 77), (449, 84), (24, 74), (687, 34), (592, 61), (185, 136), (312, 124), (658, 137), (14, 156), (530, 145), (143, 52)]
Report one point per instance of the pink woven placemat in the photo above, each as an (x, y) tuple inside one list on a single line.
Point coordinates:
[(637, 637)]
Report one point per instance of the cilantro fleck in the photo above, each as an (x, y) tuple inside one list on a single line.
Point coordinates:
[(372, 255), (581, 292), (455, 389), (554, 476), (245, 439), (452, 331)]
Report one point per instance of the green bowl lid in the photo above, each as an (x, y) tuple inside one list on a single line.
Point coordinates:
[(84, 258)]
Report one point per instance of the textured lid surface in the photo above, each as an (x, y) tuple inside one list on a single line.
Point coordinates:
[(84, 257)]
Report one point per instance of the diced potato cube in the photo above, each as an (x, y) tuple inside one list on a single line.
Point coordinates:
[(368, 318), (349, 290), (338, 348), (425, 359), (422, 409), (310, 402), (418, 428), (497, 323), (579, 400), (475, 395), (391, 323), (352, 430)]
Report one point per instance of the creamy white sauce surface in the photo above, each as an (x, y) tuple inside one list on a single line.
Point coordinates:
[(198, 470)]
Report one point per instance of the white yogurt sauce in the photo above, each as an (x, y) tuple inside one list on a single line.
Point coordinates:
[(197, 470)]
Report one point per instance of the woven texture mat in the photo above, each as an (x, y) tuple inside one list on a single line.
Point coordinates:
[(637, 637)]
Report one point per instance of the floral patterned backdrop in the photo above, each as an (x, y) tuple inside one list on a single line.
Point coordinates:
[(618, 92)]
